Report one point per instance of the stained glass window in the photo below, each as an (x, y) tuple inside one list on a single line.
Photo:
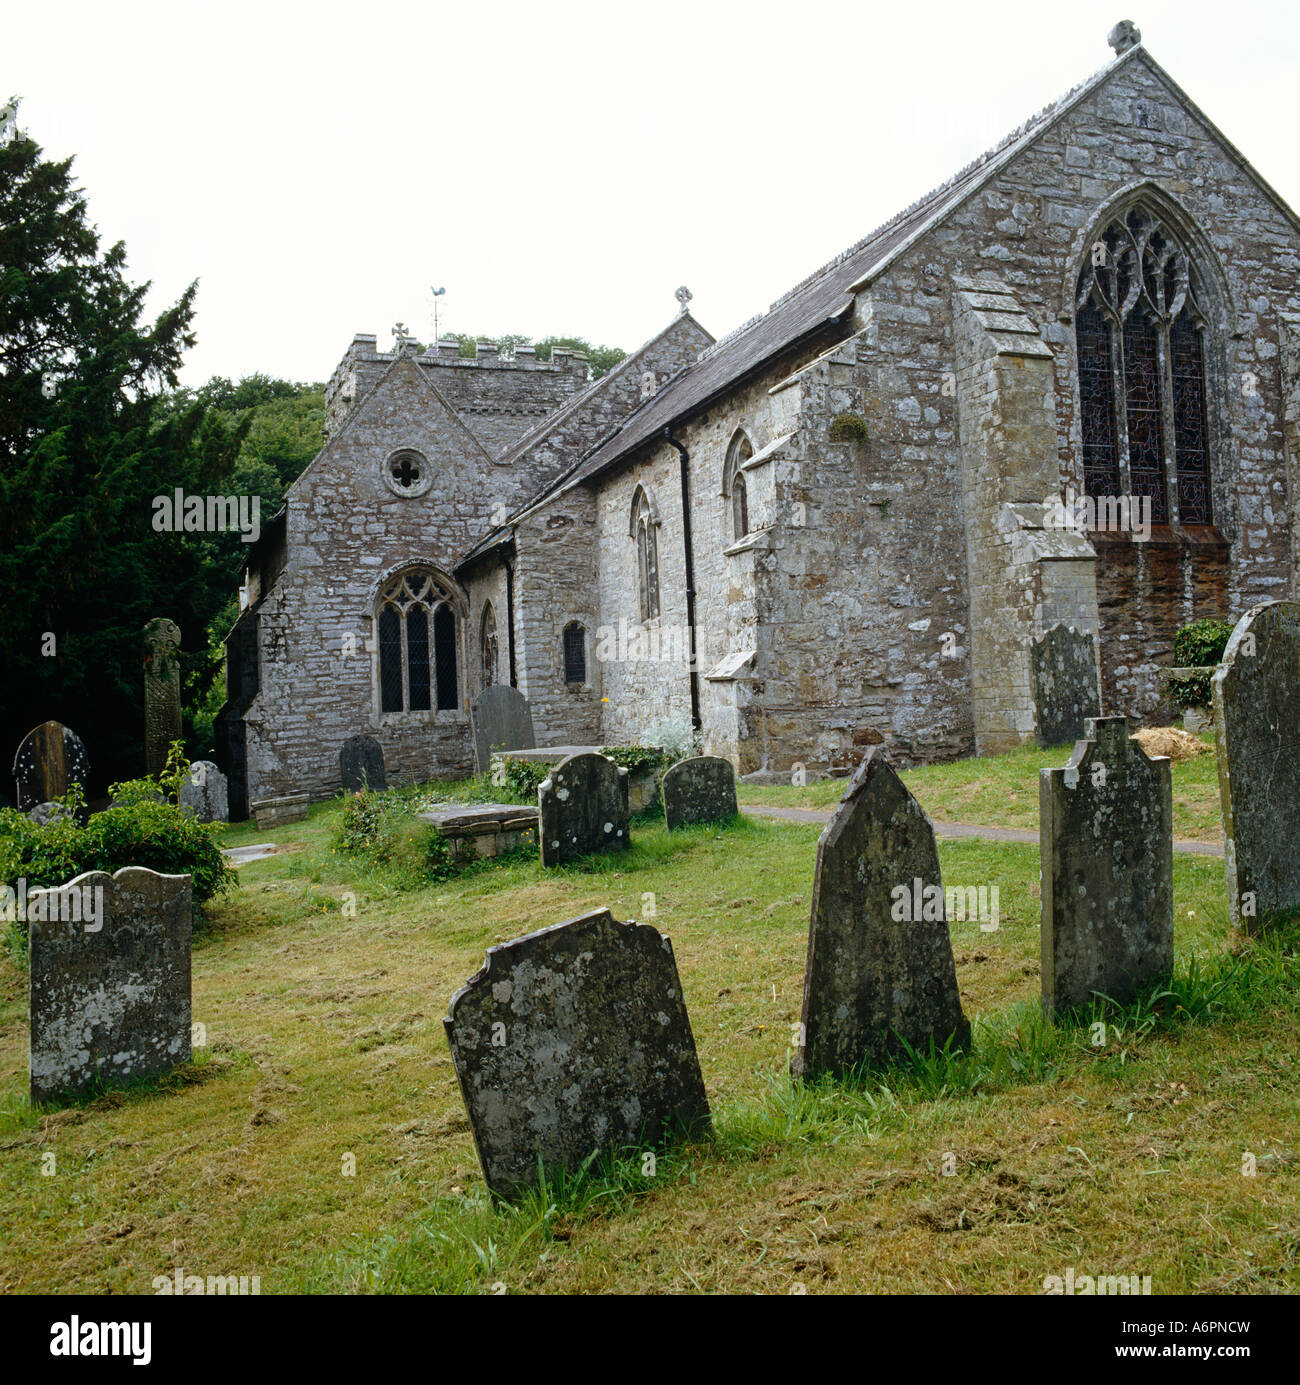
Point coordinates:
[(1139, 333), (647, 555)]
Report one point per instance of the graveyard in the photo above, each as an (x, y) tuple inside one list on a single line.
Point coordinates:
[(318, 1137)]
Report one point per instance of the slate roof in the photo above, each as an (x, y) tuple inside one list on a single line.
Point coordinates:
[(816, 303)]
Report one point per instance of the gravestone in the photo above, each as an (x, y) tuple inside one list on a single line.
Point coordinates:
[(701, 789), (49, 760), (1257, 718), (880, 965), (583, 807), (573, 1040), (361, 765), (112, 1000), (502, 721), (203, 793), (162, 691), (1066, 688), (1106, 853)]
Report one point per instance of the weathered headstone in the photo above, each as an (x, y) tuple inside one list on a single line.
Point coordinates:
[(574, 1040), (502, 721), (361, 765), (49, 760), (203, 793), (1107, 869), (1066, 687), (109, 979), (1257, 717), (701, 789), (583, 808), (880, 964), (162, 691)]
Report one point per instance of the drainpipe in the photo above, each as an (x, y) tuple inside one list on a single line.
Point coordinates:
[(510, 618), (683, 467)]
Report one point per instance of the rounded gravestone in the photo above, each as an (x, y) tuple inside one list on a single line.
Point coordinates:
[(361, 765), (583, 808), (204, 793), (49, 760), (700, 789)]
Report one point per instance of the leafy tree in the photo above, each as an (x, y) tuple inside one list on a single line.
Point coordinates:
[(602, 358), (85, 449)]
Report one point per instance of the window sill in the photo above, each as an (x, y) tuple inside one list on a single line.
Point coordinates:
[(1199, 536)]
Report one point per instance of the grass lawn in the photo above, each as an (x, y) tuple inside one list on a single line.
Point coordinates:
[(1002, 791), (1047, 1148)]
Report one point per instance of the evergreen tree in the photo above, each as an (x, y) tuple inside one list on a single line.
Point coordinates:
[(84, 450)]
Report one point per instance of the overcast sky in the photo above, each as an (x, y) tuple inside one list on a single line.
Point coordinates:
[(559, 166)]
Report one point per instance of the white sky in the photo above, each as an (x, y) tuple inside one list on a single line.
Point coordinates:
[(560, 166)]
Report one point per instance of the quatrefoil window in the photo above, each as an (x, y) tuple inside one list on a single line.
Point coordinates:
[(408, 473)]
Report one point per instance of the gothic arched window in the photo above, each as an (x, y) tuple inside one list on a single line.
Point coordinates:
[(488, 645), (733, 483), (642, 530), (1140, 335), (417, 645)]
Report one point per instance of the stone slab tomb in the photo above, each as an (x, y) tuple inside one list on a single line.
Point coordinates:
[(1107, 867), (483, 829), (361, 765), (204, 793), (502, 721), (873, 978), (700, 789), (574, 1040), (583, 805), (1257, 717), (110, 998), (162, 691), (277, 812), (49, 760)]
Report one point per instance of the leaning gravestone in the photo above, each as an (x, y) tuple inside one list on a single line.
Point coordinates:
[(502, 721), (162, 691), (583, 808), (701, 789), (203, 793), (1106, 853), (880, 965), (109, 986), (571, 1041), (48, 762), (1257, 717), (361, 765)]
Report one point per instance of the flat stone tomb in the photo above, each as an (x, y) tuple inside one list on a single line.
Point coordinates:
[(203, 793), (880, 965), (699, 789), (1107, 867), (502, 721), (49, 760), (1256, 696), (571, 1041), (583, 806), (277, 812), (109, 981), (361, 765), (483, 829)]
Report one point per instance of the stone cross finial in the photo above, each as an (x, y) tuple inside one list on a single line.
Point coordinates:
[(683, 296), (400, 337), (1123, 36)]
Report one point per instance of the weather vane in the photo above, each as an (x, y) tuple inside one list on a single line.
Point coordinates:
[(437, 294)]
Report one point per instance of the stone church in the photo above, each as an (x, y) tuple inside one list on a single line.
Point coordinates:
[(844, 507)]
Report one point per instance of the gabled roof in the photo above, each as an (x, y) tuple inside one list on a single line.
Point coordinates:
[(822, 301)]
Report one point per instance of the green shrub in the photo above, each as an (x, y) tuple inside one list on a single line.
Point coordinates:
[(522, 777), (384, 830), (157, 836), (1201, 642), (1199, 645)]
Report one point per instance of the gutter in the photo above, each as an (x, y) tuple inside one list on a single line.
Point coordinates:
[(683, 468)]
